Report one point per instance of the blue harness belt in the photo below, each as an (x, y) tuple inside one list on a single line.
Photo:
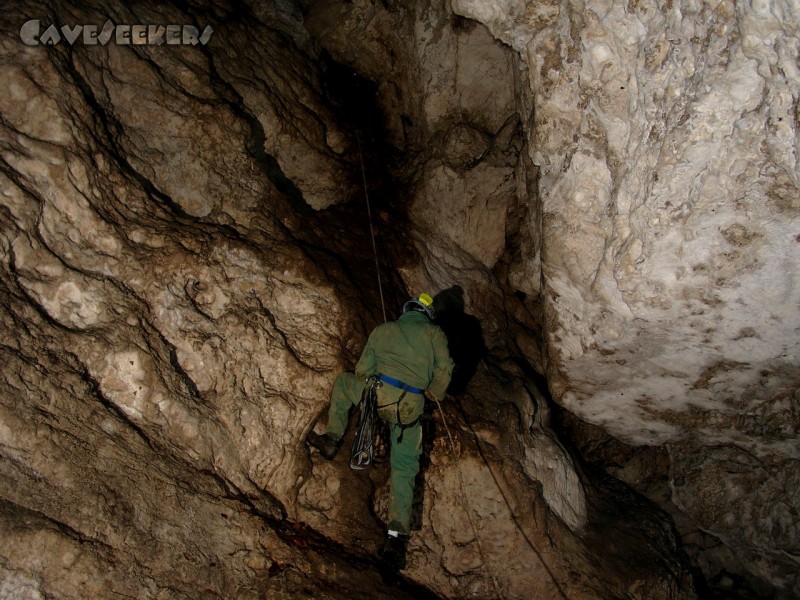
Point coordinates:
[(399, 384)]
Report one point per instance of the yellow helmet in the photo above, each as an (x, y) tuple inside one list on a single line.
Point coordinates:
[(422, 303)]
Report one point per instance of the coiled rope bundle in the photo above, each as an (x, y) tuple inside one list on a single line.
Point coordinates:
[(363, 445)]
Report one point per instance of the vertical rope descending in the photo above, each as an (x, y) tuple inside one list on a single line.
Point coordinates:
[(505, 499), (452, 443), (468, 511), (371, 232)]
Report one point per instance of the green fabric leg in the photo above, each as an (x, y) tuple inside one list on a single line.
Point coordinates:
[(405, 466), (346, 392)]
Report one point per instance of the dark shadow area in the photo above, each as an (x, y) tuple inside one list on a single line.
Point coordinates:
[(377, 204), (464, 336), (353, 574), (467, 348)]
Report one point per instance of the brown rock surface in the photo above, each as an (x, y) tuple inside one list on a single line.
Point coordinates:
[(187, 264)]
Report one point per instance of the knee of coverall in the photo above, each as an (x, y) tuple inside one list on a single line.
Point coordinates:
[(347, 390)]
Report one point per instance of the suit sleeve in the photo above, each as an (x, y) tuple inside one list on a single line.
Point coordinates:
[(442, 365)]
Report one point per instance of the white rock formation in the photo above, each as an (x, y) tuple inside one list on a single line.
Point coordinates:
[(185, 267), (666, 138)]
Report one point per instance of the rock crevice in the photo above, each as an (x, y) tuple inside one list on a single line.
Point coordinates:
[(187, 263)]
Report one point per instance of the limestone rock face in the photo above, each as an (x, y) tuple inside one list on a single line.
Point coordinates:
[(666, 139), (186, 266), (169, 324), (649, 215)]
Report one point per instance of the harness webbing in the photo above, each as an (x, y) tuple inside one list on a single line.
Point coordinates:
[(406, 389), (400, 384)]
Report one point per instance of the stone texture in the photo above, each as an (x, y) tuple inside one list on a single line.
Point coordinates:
[(162, 343), (666, 141), (186, 266)]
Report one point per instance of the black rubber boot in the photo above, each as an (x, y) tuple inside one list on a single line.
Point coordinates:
[(327, 446), (393, 553)]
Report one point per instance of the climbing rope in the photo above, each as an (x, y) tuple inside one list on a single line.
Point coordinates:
[(371, 231), (468, 511), (530, 543), (362, 452), (363, 446), (363, 457)]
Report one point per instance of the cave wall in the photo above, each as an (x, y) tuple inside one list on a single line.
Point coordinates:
[(167, 337), (638, 211), (666, 141), (182, 281), (183, 278)]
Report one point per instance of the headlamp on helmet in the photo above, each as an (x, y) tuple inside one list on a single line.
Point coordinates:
[(423, 303)]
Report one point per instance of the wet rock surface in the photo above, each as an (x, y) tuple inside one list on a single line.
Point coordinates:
[(187, 265)]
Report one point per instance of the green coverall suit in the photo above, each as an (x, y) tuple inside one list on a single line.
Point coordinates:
[(414, 351)]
